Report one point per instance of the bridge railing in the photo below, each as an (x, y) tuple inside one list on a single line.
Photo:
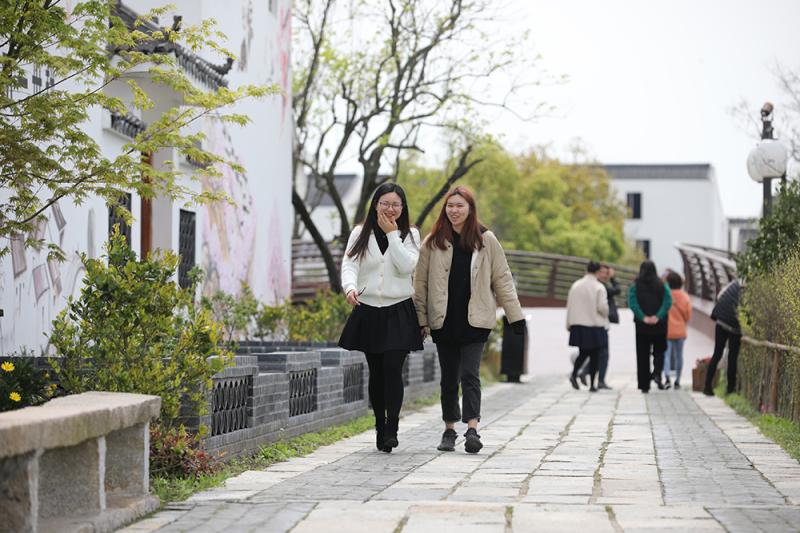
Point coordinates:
[(706, 269), (542, 279)]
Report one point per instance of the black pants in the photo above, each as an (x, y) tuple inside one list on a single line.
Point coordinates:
[(386, 383), (460, 364), (647, 342), (583, 354), (721, 337), (602, 365)]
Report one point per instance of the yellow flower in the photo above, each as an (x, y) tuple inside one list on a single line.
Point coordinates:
[(15, 397), (7, 366)]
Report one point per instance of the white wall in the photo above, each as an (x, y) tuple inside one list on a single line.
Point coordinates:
[(680, 210), (247, 242)]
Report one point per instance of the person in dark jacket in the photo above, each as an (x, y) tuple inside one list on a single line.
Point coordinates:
[(606, 276), (649, 298), (727, 331)]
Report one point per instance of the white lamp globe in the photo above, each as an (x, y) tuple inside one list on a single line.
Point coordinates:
[(767, 160)]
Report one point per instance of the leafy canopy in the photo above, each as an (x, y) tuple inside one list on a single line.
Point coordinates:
[(48, 152)]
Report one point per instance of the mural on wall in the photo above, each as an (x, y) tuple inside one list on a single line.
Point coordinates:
[(278, 50), (36, 288), (229, 229)]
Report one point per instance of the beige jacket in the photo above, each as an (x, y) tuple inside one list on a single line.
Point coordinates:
[(587, 303), (491, 284)]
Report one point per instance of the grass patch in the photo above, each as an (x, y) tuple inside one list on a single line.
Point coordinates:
[(784, 432), (179, 489)]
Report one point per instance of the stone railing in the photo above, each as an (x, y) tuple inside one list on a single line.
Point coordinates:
[(77, 463), (278, 390)]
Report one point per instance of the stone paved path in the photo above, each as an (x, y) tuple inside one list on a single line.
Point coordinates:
[(554, 460)]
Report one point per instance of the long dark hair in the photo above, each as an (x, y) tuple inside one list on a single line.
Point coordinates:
[(359, 248), (648, 276), (442, 230)]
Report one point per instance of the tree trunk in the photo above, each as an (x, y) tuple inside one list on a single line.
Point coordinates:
[(330, 264)]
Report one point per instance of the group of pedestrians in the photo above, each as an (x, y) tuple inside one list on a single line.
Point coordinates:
[(403, 289), (661, 311)]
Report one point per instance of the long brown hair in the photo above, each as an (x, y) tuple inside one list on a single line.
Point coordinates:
[(442, 231), (359, 248)]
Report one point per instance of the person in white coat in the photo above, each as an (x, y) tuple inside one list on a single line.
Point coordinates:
[(587, 320), (377, 270)]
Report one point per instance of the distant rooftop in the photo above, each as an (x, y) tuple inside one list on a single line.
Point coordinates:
[(699, 171), (342, 183)]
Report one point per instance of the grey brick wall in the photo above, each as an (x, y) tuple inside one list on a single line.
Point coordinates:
[(270, 364)]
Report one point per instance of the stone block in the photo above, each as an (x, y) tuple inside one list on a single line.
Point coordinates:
[(18, 492), (71, 479), (128, 460)]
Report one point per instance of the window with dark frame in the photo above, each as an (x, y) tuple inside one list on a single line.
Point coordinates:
[(114, 217), (186, 248), (643, 245), (634, 205)]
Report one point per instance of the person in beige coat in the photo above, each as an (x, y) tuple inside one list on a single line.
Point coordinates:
[(587, 319), (461, 275)]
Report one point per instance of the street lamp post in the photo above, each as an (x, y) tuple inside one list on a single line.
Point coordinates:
[(768, 159)]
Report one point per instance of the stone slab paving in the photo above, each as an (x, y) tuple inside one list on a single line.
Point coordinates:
[(554, 460)]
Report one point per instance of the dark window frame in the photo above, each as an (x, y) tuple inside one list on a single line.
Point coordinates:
[(634, 202), (187, 232)]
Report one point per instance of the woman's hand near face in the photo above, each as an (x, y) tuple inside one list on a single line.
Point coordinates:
[(386, 224)]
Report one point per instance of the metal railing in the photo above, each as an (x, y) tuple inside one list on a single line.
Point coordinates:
[(706, 269)]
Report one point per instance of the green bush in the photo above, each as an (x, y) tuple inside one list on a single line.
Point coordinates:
[(320, 319), (22, 384), (770, 311), (778, 235), (134, 330), (236, 313), (178, 454)]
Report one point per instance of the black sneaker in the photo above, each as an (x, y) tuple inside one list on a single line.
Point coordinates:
[(603, 386), (574, 383), (677, 385), (473, 443), (582, 377), (448, 443)]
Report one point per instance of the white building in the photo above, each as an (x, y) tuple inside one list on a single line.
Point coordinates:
[(247, 242), (669, 204)]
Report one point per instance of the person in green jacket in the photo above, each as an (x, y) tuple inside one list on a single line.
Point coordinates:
[(650, 299)]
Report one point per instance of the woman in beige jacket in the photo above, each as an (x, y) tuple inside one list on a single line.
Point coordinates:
[(461, 275), (587, 319)]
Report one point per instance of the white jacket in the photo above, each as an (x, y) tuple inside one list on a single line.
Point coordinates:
[(382, 280), (587, 303)]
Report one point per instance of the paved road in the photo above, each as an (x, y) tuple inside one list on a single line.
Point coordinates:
[(555, 460)]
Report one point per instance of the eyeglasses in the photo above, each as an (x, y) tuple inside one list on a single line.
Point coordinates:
[(393, 205)]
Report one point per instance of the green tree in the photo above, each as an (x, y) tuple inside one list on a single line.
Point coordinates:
[(778, 235), (537, 203), (396, 71), (48, 153)]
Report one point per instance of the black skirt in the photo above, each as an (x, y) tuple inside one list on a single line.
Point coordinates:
[(588, 338), (382, 329)]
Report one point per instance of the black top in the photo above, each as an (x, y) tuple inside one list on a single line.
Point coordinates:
[(456, 328), (724, 311), (612, 289), (383, 240)]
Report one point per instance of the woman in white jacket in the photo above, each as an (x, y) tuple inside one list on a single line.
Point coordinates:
[(377, 269)]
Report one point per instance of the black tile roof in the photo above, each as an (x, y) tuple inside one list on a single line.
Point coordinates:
[(700, 171), (208, 73)]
